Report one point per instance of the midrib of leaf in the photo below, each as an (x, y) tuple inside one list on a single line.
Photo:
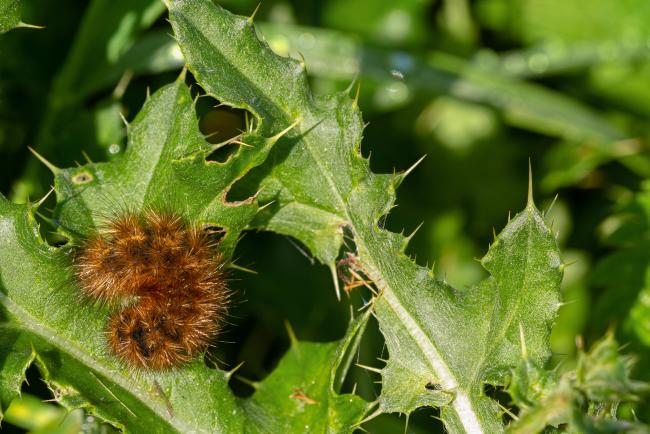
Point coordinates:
[(462, 403), (31, 324)]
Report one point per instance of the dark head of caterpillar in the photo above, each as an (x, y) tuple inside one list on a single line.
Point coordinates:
[(163, 279)]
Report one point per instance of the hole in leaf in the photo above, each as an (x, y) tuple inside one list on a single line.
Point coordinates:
[(216, 233), (286, 287), (34, 384), (223, 153), (57, 241), (222, 123), (500, 395)]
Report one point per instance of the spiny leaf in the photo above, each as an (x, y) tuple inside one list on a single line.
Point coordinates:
[(463, 339), (452, 340), (231, 64), (68, 338), (304, 389), (16, 355), (165, 166), (600, 383)]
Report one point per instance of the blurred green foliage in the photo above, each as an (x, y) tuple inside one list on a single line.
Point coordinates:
[(479, 86)]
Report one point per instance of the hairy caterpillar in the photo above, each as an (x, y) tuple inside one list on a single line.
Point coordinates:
[(163, 280)]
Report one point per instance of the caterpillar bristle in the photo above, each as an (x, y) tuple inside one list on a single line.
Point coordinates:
[(166, 275)]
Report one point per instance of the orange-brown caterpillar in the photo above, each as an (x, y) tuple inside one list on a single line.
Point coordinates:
[(164, 279)]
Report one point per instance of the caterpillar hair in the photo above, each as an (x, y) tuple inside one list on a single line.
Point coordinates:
[(163, 279)]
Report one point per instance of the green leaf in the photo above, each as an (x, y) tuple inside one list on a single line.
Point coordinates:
[(9, 15), (301, 394), (32, 414), (16, 354), (625, 272), (100, 44), (92, 61), (69, 339), (340, 56), (153, 53), (444, 344), (164, 165), (231, 64), (535, 20), (601, 382), (461, 340)]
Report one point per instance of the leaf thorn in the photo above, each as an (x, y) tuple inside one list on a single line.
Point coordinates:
[(565, 265), (291, 334), (48, 220), (531, 201), (335, 278), (126, 123), (550, 207), (55, 170), (233, 370), (303, 62), (254, 384), (121, 86), (522, 341), (182, 74), (216, 146), (37, 205), (234, 266), (239, 142), (369, 368), (355, 100), (410, 237), (252, 17), (371, 416), (401, 176), (86, 157), (266, 205), (29, 26), (285, 131)]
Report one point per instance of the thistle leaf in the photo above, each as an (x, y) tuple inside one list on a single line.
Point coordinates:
[(438, 338), (43, 317)]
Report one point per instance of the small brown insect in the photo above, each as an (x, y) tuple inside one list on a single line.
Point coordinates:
[(164, 279)]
